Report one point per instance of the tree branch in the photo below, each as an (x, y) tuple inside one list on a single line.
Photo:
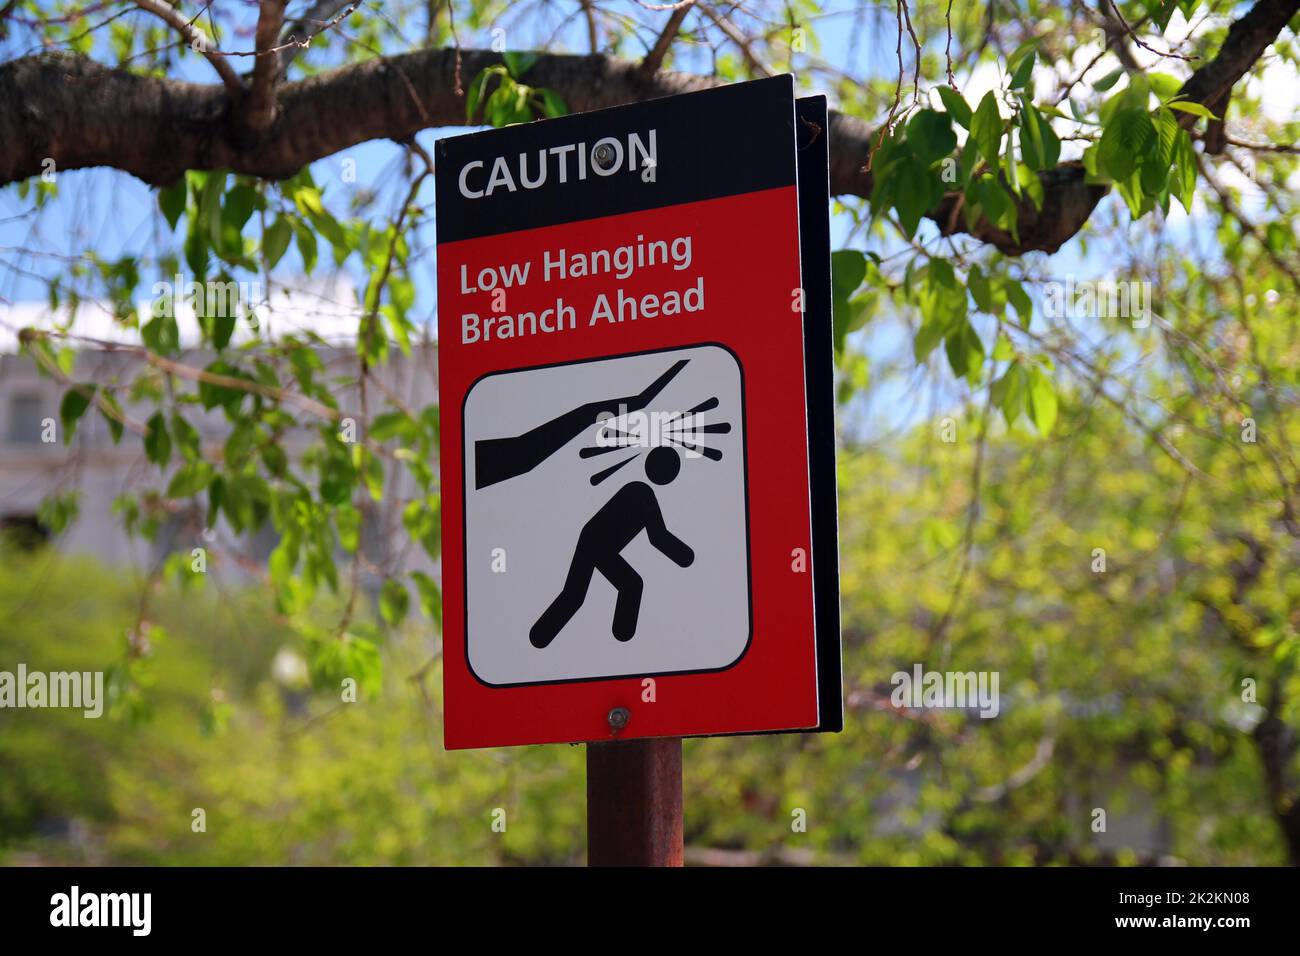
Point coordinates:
[(655, 58), (1245, 43), (259, 108), (735, 36), (321, 16), (198, 41), (80, 113)]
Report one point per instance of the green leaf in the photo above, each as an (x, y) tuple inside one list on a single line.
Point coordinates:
[(1009, 392), (276, 240), (1167, 130), (930, 135), (1165, 86), (916, 192), (275, 459), (57, 512), (171, 201), (161, 335), (186, 437), (336, 479), (329, 227), (1031, 184), (394, 600), (306, 245), (553, 104), (75, 402), (989, 296), (238, 207), (430, 597), (956, 106), (157, 443), (240, 443), (1042, 401), (1039, 144), (212, 395), (1183, 182), (986, 128), (1189, 106), (112, 413), (422, 520), (928, 336), (210, 206), (943, 304), (221, 328), (390, 425), (1109, 80), (475, 93), (330, 661), (965, 350), (848, 269), (1019, 300), (997, 204), (519, 63), (347, 519), (1127, 139), (190, 480), (372, 473), (1023, 71), (1161, 11)]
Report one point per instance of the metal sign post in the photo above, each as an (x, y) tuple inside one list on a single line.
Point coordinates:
[(634, 802)]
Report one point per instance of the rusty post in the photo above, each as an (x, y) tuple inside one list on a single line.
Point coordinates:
[(634, 803)]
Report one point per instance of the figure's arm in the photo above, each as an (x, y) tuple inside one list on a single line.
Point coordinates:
[(497, 459), (673, 547)]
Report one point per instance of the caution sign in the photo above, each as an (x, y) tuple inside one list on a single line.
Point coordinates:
[(637, 451)]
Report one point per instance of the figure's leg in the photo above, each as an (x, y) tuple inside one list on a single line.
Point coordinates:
[(567, 602), (629, 586)]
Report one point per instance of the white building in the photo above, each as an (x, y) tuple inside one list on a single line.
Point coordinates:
[(33, 468)]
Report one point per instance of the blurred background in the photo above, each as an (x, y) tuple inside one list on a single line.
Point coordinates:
[(1120, 690)]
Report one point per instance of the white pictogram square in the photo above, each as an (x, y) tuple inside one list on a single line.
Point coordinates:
[(606, 518)]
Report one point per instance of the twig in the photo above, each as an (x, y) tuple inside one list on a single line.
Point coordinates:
[(742, 42), (1231, 208), (947, 46), (898, 92), (198, 42), (655, 58), (325, 15)]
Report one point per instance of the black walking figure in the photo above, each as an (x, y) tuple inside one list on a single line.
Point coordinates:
[(633, 509)]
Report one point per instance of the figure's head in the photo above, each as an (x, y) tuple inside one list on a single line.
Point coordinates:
[(662, 465)]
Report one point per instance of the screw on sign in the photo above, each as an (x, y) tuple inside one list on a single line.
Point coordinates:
[(618, 718), (648, 433)]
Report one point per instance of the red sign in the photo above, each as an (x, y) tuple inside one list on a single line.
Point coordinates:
[(627, 533)]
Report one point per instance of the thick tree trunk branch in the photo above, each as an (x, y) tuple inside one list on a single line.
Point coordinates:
[(80, 113)]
